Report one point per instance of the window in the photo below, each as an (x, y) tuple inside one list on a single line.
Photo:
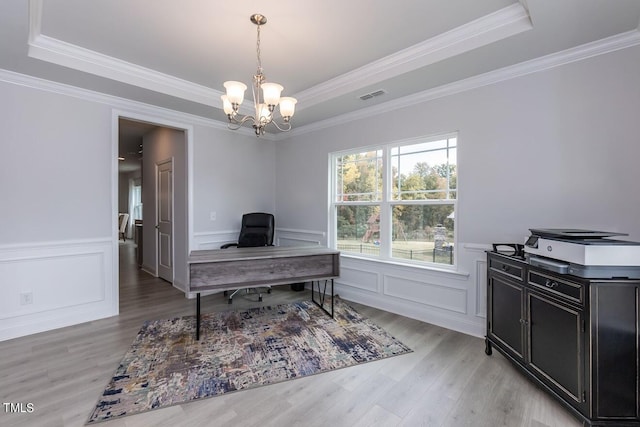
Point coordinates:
[(397, 201)]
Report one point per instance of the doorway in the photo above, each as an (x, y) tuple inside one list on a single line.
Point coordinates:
[(164, 170)]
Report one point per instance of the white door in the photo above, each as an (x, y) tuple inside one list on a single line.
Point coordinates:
[(164, 213)]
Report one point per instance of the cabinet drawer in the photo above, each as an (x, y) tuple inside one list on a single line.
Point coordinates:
[(570, 291), (511, 269)]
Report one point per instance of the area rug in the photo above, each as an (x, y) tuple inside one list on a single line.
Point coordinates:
[(238, 350)]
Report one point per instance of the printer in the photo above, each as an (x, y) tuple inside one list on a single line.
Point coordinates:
[(583, 253)]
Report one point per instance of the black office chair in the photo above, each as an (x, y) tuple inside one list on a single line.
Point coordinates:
[(257, 229)]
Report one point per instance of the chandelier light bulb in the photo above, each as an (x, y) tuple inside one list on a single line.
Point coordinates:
[(271, 93), (235, 91), (287, 107), (264, 113), (226, 105)]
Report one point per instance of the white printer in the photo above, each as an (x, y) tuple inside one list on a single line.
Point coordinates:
[(583, 253)]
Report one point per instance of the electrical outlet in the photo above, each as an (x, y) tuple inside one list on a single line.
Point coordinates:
[(26, 298), (212, 215)]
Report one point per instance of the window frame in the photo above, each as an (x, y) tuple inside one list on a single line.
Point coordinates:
[(387, 202)]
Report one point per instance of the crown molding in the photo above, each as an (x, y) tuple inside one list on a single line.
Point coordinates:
[(578, 53), (58, 52), (488, 29)]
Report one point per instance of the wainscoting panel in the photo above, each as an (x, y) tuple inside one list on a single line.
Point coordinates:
[(430, 294), (364, 280), (47, 286), (213, 239), (293, 237), (451, 299)]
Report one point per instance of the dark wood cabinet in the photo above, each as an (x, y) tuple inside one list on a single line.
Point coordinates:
[(576, 338)]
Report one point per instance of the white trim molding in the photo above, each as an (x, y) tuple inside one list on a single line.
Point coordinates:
[(82, 272), (295, 237)]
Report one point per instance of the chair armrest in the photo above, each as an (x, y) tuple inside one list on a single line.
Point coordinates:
[(228, 245)]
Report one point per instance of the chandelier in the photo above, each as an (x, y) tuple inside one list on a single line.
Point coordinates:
[(265, 105)]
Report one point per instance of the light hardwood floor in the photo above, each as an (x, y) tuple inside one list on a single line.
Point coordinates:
[(446, 381)]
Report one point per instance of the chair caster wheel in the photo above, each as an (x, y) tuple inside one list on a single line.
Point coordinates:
[(260, 299), (230, 301), (225, 293), (269, 290)]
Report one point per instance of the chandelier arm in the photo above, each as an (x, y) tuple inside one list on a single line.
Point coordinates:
[(286, 126), (234, 126), (241, 121)]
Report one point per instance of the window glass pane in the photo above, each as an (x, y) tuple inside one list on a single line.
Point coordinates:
[(358, 229), (423, 233), (423, 146), (359, 177), (424, 171)]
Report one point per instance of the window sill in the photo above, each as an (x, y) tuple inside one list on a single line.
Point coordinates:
[(396, 263)]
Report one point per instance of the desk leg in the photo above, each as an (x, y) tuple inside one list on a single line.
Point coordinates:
[(322, 295), (198, 317)]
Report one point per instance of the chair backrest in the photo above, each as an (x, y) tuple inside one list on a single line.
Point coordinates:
[(123, 219), (257, 230)]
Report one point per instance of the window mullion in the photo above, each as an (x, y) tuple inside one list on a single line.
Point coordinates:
[(385, 207)]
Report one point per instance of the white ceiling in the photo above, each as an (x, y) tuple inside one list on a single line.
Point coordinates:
[(327, 54)]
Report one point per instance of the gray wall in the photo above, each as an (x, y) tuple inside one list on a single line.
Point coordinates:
[(55, 167), (556, 148)]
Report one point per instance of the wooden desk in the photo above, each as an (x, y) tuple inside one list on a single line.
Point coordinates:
[(237, 268)]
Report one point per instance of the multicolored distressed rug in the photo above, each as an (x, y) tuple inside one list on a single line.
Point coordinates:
[(238, 350)]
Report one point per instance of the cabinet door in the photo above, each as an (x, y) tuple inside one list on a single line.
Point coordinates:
[(556, 347), (616, 359), (506, 314)]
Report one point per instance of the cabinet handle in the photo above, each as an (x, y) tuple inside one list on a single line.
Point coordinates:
[(505, 267), (550, 284)]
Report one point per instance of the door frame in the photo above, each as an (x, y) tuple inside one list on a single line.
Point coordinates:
[(146, 113)]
